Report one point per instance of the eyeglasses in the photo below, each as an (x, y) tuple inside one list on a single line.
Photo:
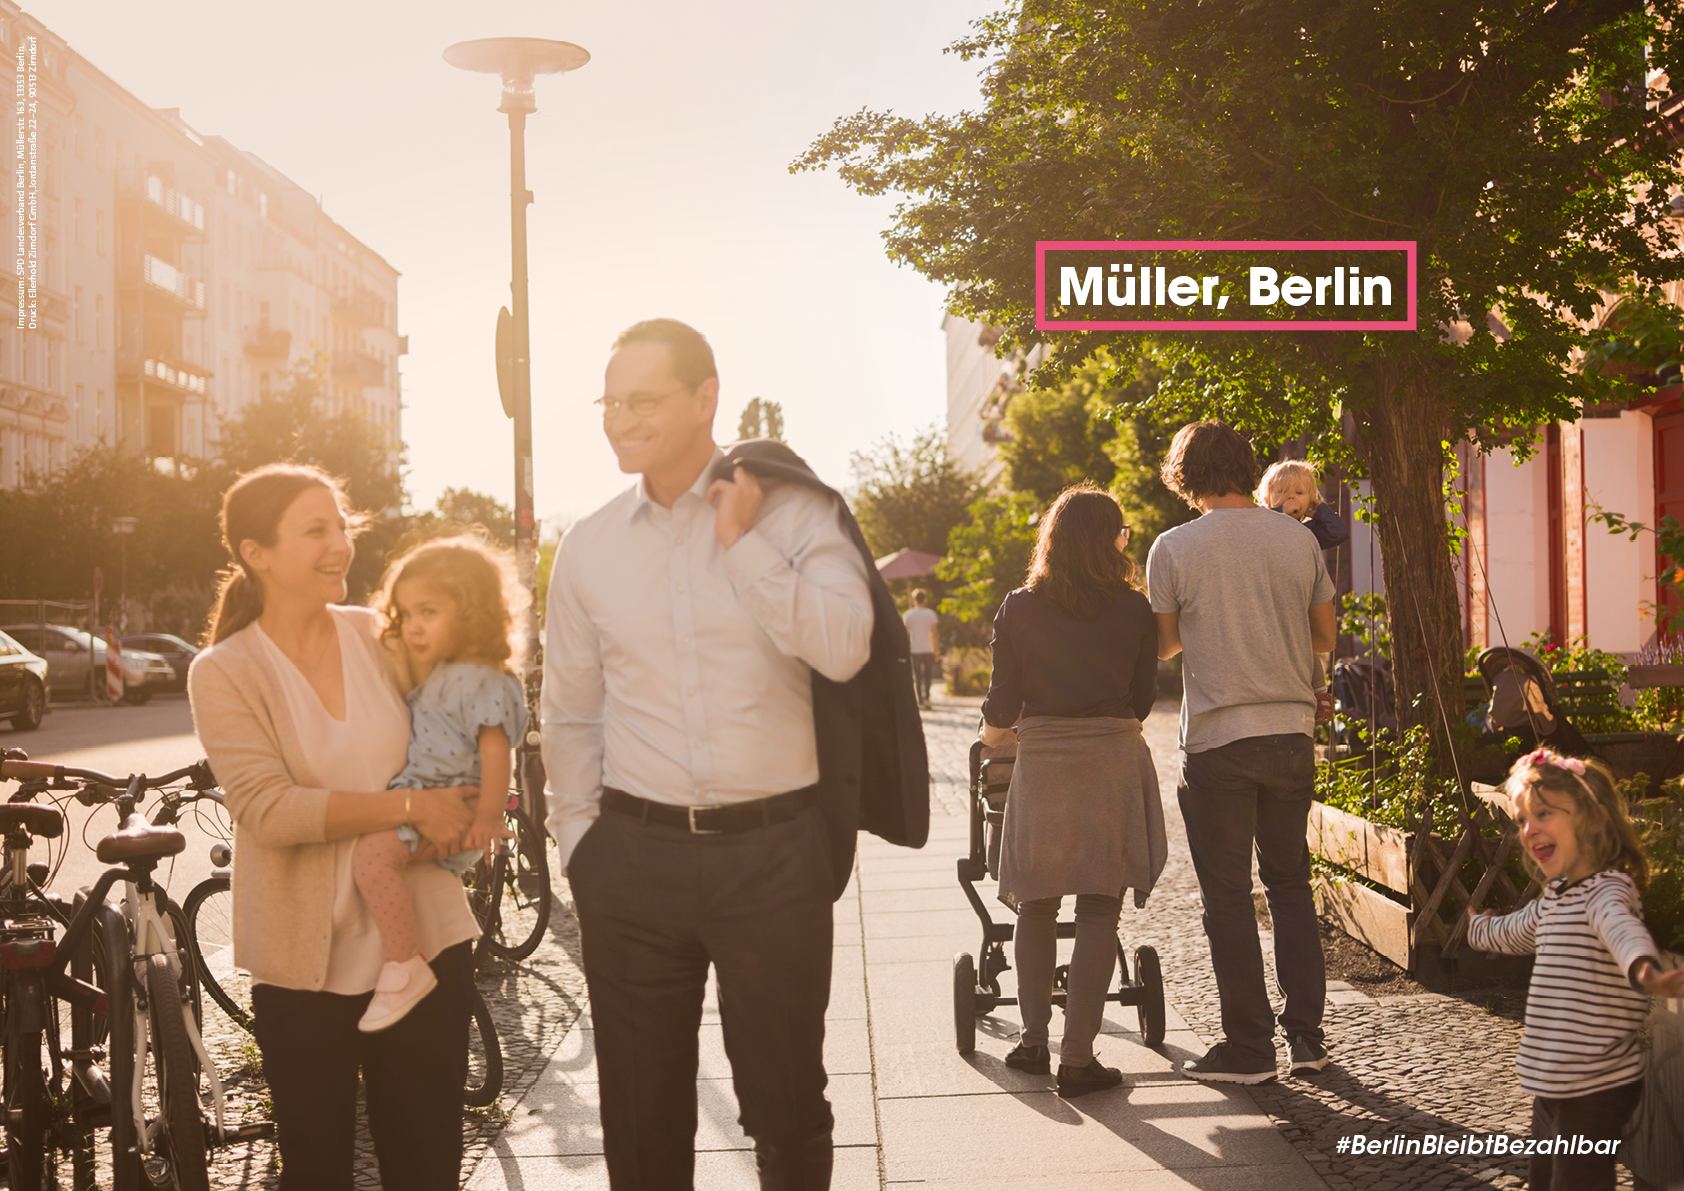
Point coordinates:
[(640, 404), (1128, 532)]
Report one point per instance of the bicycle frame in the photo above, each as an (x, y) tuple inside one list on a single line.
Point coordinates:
[(151, 937)]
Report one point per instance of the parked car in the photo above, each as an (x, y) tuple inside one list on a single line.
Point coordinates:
[(23, 685), (76, 661), (178, 653)]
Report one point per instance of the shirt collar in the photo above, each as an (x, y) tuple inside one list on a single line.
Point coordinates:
[(643, 503)]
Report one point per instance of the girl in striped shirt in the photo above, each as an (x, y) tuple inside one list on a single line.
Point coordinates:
[(1580, 1057)]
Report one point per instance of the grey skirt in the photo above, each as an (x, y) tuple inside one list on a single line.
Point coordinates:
[(1083, 814)]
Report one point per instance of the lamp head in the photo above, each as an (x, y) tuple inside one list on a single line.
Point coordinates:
[(518, 60)]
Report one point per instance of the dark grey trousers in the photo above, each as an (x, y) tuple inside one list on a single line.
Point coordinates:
[(657, 905), (1256, 793)]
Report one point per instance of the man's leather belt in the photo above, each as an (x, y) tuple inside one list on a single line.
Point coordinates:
[(712, 820)]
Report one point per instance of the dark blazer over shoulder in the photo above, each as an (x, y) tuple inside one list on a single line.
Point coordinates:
[(874, 771)]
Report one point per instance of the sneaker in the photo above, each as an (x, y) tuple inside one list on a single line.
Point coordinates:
[(1222, 1064), (399, 989), (1036, 1060), (1079, 1081), (1309, 1057)]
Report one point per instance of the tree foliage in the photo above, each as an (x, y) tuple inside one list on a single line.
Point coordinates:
[(1059, 435), (1513, 142), (762, 419), (910, 496), (988, 556)]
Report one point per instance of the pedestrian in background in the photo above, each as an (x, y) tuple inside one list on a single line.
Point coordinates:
[(1243, 593), (302, 716), (1075, 672), (687, 618), (923, 627)]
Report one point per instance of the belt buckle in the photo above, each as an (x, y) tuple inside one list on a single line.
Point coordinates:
[(694, 830)]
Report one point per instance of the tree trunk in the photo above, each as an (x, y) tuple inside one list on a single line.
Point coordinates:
[(1403, 445)]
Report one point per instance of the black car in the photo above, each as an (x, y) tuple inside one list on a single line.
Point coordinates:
[(23, 685), (171, 648)]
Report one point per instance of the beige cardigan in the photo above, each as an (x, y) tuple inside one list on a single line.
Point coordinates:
[(284, 871)]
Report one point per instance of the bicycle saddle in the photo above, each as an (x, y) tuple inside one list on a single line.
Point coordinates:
[(140, 841), (44, 821)]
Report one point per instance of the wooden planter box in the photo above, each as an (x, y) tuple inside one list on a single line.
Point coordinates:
[(1641, 678), (1401, 927), (1376, 853)]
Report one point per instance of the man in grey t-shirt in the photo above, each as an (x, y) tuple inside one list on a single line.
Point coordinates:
[(1242, 592)]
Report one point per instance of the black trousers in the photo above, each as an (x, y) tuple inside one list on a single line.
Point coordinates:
[(1600, 1116), (657, 905), (413, 1074)]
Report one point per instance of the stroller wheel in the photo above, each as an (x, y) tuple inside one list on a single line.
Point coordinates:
[(1151, 982), (964, 1002)]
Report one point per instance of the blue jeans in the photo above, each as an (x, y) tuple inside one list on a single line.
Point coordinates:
[(1250, 793)]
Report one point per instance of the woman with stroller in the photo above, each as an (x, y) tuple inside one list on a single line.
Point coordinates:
[(1075, 671)]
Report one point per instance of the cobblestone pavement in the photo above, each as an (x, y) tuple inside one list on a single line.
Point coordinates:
[(1410, 1065)]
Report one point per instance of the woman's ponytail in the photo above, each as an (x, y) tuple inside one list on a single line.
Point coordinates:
[(252, 509), (239, 601)]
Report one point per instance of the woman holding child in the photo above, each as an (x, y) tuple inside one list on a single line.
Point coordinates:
[(303, 716)]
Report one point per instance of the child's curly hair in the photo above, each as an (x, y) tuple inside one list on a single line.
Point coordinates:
[(1271, 490), (480, 579), (1607, 837)]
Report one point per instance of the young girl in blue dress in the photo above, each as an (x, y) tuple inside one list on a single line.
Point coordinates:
[(1581, 1057), (453, 604)]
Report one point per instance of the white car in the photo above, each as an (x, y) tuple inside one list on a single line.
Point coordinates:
[(68, 652)]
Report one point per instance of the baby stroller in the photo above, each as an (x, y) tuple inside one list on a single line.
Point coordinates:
[(977, 991), (1524, 703), (1362, 699)]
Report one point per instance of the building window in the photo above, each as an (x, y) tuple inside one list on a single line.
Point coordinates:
[(99, 320), (99, 232), (229, 181), (99, 415), (263, 204), (76, 415), (223, 305), (99, 148), (78, 138), (78, 222), (224, 248), (76, 313)]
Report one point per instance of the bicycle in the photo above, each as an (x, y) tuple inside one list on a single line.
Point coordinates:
[(157, 1055), (210, 941), (510, 892)]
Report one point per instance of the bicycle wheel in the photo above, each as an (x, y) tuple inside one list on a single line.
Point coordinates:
[(116, 1032), (175, 1075), (29, 1165), (512, 895), (210, 940), (485, 1058)]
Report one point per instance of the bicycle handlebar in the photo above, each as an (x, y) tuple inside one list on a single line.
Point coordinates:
[(198, 773)]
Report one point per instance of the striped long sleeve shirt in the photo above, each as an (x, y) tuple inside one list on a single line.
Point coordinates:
[(1583, 1016)]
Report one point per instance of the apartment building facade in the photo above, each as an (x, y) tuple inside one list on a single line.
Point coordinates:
[(179, 278)]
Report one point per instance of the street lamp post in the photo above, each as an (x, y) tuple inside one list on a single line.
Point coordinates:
[(518, 60), (123, 527)]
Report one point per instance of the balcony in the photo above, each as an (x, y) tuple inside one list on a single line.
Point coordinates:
[(188, 215), (183, 378), (360, 308), (166, 278), (359, 368), (267, 343)]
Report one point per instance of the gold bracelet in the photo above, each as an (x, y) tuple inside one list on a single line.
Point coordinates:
[(406, 795)]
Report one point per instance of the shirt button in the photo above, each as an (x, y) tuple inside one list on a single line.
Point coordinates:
[(678, 541), (691, 691), (685, 641), (681, 587), (697, 743)]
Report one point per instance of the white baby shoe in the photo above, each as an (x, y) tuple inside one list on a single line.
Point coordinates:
[(399, 989)]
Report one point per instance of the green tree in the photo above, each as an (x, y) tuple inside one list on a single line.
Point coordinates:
[(762, 419), (1060, 435), (1514, 143), (910, 496), (459, 509), (988, 556)]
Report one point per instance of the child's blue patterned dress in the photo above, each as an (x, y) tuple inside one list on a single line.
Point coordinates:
[(446, 713)]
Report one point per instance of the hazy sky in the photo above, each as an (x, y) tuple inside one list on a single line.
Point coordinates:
[(662, 190)]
